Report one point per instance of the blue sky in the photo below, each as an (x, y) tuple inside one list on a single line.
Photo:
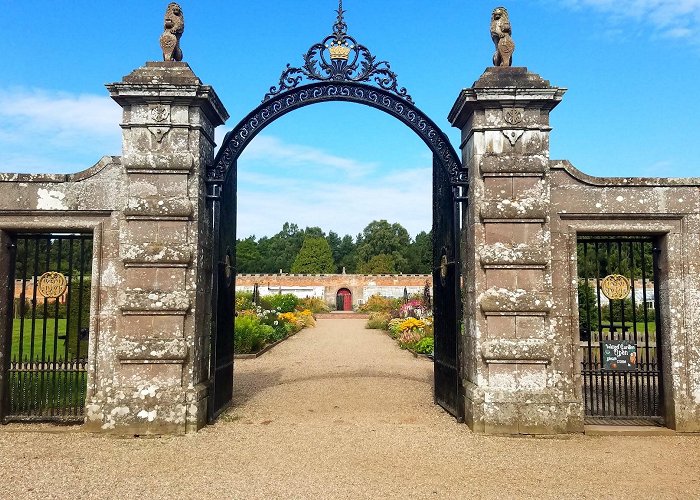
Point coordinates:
[(631, 66)]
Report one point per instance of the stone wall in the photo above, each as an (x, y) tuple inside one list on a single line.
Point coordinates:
[(362, 286), (521, 340)]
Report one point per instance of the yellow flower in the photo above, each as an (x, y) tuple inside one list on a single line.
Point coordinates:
[(411, 324)]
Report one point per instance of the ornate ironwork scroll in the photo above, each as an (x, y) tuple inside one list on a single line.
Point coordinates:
[(340, 58), (235, 141)]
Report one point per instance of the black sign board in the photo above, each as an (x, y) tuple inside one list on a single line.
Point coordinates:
[(619, 355)]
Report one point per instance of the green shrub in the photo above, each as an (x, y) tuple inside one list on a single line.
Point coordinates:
[(276, 333), (268, 333), (249, 335), (313, 304), (39, 313), (378, 321), (244, 301), (281, 303), (377, 303), (424, 345)]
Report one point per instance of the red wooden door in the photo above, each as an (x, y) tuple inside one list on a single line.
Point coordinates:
[(344, 298)]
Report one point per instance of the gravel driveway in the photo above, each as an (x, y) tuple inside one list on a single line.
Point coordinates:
[(341, 412)]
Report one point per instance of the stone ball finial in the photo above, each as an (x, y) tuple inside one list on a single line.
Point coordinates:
[(174, 25), (501, 35)]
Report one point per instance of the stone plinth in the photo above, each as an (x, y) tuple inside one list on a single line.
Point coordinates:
[(152, 369), (518, 377)]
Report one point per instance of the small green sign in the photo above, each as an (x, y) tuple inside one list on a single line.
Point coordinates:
[(618, 355)]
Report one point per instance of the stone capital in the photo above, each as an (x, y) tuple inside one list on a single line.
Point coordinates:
[(512, 90), (163, 84)]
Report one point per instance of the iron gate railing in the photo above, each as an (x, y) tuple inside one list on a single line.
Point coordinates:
[(46, 379), (618, 300)]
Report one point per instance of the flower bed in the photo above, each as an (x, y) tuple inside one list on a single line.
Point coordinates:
[(410, 324), (257, 326)]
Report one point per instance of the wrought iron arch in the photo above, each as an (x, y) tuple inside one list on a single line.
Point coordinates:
[(276, 106)]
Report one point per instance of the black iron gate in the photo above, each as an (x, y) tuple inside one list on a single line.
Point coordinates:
[(447, 304), (45, 374), (340, 69), (223, 294), (619, 322)]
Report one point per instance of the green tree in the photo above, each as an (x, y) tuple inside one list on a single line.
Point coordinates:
[(379, 264), (587, 306), (314, 257), (343, 252), (420, 256), (248, 258), (382, 238), (348, 255), (279, 251)]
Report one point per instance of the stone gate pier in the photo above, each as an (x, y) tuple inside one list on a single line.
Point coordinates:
[(158, 381), (149, 332)]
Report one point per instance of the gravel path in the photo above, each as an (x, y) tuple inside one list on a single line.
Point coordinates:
[(340, 412)]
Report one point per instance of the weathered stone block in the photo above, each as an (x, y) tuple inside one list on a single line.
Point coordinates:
[(156, 254), (514, 233), (498, 300), (155, 350), (501, 326), (496, 164), (502, 278), (158, 207), (520, 208), (139, 300), (515, 254), (520, 349)]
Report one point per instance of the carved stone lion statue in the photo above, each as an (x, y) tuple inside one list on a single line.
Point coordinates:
[(501, 35), (174, 27)]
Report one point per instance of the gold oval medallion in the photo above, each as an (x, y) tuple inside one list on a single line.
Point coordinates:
[(52, 284), (615, 287)]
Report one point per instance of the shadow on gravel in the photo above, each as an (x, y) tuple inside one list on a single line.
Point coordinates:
[(247, 385)]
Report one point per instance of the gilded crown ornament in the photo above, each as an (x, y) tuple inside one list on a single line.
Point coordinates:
[(340, 58)]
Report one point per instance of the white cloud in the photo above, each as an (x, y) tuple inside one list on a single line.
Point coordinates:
[(671, 18), (275, 151), (345, 202), (343, 208), (60, 111), (49, 131)]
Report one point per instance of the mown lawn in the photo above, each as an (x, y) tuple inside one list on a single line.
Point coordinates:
[(651, 328), (51, 325)]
